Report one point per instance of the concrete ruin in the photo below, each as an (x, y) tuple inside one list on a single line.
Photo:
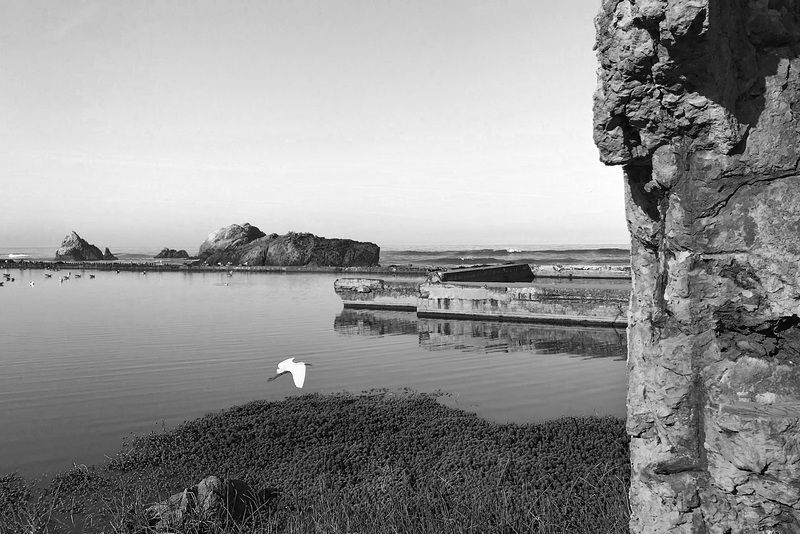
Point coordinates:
[(699, 101)]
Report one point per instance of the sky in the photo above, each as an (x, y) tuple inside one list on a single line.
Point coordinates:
[(400, 122)]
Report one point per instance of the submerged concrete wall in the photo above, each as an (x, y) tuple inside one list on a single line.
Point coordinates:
[(699, 100)]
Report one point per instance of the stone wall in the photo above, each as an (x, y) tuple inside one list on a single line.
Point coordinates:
[(699, 101)]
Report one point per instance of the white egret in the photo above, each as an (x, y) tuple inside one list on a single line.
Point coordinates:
[(298, 370)]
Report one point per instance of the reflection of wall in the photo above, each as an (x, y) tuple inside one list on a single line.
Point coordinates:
[(375, 323), (485, 336)]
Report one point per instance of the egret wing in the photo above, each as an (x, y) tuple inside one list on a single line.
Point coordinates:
[(298, 373)]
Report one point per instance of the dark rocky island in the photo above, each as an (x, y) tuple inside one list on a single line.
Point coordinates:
[(172, 253), (74, 248), (247, 245)]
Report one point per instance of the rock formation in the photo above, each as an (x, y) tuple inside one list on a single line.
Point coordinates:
[(108, 256), (212, 498), (699, 100), (172, 253), (73, 248), (246, 244)]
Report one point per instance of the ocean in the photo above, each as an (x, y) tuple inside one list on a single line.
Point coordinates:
[(90, 361), (443, 256)]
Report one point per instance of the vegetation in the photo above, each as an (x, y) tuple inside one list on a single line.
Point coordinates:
[(375, 462)]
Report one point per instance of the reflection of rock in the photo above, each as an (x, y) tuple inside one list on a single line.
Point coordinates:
[(485, 336), (74, 248), (172, 253), (212, 498), (240, 244)]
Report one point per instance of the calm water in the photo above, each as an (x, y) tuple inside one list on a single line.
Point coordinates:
[(87, 362)]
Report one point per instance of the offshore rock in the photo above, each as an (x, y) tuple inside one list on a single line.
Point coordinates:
[(172, 253), (108, 256), (74, 248), (699, 100), (225, 242), (246, 244)]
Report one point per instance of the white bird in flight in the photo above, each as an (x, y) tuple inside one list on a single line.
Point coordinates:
[(298, 370)]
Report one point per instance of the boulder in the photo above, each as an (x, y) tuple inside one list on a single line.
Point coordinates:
[(74, 248), (108, 256), (172, 253), (212, 498), (247, 244)]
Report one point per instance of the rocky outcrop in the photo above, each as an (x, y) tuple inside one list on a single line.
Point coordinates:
[(246, 244), (108, 256), (74, 248), (699, 100), (171, 253), (211, 499)]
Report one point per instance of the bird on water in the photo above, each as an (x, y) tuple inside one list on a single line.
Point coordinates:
[(298, 370)]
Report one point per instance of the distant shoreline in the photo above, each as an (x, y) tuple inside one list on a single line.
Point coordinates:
[(540, 271), (159, 266)]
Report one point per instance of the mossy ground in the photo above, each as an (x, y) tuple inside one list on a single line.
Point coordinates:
[(375, 462)]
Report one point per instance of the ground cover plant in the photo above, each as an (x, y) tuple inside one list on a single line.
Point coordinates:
[(375, 462)]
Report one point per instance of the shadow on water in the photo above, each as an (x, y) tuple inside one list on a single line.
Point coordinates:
[(485, 336)]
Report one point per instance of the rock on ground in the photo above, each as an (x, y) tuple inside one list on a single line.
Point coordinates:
[(211, 498)]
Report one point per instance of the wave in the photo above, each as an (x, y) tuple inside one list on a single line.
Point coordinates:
[(483, 256), (502, 251), (15, 256)]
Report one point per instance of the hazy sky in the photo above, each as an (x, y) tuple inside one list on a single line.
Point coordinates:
[(394, 121)]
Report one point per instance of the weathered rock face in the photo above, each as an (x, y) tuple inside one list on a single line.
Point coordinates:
[(227, 240), (73, 248), (172, 253), (247, 244), (699, 100)]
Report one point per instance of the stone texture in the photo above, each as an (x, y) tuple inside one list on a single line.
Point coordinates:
[(699, 100), (74, 248), (246, 244), (212, 498)]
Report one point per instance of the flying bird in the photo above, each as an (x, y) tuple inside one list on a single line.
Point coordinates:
[(298, 370)]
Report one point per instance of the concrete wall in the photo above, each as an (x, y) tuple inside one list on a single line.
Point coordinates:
[(558, 305)]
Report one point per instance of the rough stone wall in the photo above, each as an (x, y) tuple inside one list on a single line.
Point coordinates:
[(699, 100)]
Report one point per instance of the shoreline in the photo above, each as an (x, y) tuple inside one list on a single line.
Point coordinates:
[(562, 271)]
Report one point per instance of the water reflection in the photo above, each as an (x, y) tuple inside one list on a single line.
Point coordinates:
[(485, 336)]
